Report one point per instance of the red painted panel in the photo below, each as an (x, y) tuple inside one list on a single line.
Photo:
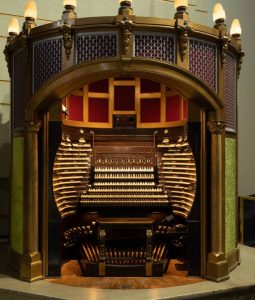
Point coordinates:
[(75, 108), (150, 110), (100, 86), (173, 108), (149, 86), (124, 98), (98, 110), (185, 109)]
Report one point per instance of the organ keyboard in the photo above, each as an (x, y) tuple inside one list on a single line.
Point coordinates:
[(124, 178)]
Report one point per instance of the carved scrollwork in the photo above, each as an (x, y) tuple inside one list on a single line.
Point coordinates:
[(66, 29), (224, 42), (240, 61), (183, 38), (126, 26), (32, 126), (8, 59), (13, 43), (216, 127)]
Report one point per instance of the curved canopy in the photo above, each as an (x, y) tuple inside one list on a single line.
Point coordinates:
[(171, 75)]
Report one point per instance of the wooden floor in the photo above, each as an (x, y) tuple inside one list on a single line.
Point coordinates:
[(176, 275)]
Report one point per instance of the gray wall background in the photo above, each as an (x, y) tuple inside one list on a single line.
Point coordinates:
[(200, 11)]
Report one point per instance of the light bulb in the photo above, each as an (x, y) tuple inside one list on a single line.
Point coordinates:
[(125, 0), (235, 28), (180, 3), (218, 12), (30, 10), (13, 27), (70, 3)]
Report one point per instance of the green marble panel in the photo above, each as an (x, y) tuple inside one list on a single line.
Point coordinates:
[(230, 195), (17, 195)]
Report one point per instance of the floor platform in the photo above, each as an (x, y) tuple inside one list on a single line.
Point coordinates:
[(240, 286)]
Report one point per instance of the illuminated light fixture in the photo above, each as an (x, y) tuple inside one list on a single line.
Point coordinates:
[(219, 15), (70, 3), (69, 12), (30, 10), (30, 16), (125, 2), (125, 7), (181, 7), (13, 27), (235, 29), (180, 4)]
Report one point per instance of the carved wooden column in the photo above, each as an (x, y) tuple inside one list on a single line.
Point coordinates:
[(217, 266), (31, 265)]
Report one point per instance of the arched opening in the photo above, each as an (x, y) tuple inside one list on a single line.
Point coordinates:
[(184, 115)]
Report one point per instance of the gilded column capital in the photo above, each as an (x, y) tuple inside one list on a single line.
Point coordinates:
[(216, 127), (32, 127)]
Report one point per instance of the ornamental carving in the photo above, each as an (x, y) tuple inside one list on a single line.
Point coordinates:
[(8, 59), (126, 26), (216, 127), (32, 126), (68, 38), (20, 40), (240, 61), (224, 42), (183, 37)]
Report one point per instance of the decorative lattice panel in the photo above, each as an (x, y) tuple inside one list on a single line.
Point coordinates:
[(230, 93), (92, 46), (47, 61), (203, 61), (155, 46), (18, 104)]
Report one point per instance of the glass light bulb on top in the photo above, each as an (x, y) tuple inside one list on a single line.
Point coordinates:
[(219, 13), (30, 10), (235, 29), (13, 27), (70, 3), (180, 3)]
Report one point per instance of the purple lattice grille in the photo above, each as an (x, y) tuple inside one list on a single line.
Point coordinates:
[(203, 61), (155, 46), (230, 93), (91, 46), (47, 61), (18, 104)]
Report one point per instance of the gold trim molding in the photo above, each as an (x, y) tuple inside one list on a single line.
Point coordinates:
[(233, 259), (31, 267)]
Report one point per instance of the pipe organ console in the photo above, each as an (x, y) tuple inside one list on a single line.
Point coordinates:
[(128, 198)]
